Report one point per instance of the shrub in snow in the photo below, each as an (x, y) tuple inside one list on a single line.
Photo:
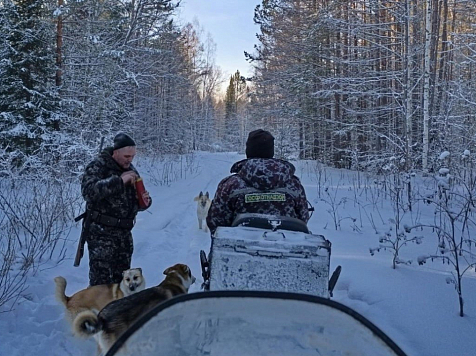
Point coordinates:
[(453, 222), (394, 240), (166, 169), (336, 205), (36, 215), (398, 188)]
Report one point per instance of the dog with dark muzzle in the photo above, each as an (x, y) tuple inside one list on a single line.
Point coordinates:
[(118, 316)]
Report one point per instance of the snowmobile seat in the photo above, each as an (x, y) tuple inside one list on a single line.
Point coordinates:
[(270, 222)]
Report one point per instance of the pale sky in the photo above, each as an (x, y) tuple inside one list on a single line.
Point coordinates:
[(230, 23)]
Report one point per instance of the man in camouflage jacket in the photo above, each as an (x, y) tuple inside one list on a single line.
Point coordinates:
[(259, 184), (108, 187)]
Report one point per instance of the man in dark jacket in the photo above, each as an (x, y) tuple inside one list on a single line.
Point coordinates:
[(108, 187), (259, 184)]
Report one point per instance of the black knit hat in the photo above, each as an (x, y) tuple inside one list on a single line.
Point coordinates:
[(122, 140), (260, 144)]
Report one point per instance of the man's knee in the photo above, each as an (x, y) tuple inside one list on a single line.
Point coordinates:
[(102, 270), (107, 271), (100, 274)]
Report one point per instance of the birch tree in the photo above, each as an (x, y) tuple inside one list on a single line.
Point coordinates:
[(426, 86)]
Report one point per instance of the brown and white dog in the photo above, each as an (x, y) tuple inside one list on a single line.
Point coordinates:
[(118, 316), (203, 206), (97, 297)]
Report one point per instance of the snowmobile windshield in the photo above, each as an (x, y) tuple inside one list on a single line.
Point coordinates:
[(245, 323)]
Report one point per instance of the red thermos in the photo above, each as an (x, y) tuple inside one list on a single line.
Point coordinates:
[(140, 190)]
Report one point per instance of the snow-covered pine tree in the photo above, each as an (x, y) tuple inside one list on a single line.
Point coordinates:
[(29, 101), (234, 118)]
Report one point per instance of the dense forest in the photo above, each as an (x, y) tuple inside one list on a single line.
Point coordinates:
[(73, 72), (354, 84), (365, 84)]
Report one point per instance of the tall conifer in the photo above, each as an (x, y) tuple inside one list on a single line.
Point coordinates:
[(29, 104)]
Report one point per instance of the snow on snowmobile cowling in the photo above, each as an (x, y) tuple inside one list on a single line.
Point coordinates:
[(253, 323), (269, 253)]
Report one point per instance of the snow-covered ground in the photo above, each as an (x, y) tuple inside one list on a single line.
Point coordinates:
[(412, 304)]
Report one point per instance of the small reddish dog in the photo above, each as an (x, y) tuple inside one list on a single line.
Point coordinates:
[(97, 297)]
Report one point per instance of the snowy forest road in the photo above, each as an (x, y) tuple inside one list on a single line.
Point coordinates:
[(169, 234), (412, 304)]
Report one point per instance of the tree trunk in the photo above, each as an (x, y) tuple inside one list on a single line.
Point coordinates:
[(59, 46), (426, 87), (407, 89)]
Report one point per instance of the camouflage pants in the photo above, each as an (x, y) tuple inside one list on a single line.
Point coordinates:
[(110, 252)]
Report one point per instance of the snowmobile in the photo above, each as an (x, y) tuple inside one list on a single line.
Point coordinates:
[(267, 292), (271, 253)]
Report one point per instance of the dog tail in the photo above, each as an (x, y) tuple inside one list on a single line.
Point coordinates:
[(60, 291), (86, 324)]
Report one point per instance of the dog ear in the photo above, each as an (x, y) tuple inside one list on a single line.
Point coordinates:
[(206, 194), (140, 270), (200, 195)]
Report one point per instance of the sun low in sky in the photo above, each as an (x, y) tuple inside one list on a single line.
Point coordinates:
[(230, 24)]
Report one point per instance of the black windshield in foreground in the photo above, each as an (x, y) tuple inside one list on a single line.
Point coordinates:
[(252, 323)]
